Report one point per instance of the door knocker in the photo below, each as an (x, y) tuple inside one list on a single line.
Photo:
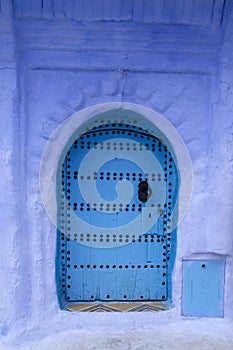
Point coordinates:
[(143, 191)]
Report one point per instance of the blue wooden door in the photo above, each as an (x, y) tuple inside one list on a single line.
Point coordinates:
[(119, 186)]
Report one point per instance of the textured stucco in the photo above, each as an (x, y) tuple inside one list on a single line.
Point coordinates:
[(50, 69)]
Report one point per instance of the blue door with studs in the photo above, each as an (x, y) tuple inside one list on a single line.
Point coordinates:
[(117, 190)]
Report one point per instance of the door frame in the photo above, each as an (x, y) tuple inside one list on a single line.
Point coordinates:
[(64, 136)]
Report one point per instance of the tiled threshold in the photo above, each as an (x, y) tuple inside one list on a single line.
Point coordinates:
[(117, 307)]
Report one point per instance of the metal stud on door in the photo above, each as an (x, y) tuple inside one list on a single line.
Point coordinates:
[(120, 183)]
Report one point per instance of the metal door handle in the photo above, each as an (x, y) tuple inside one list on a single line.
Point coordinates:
[(143, 191)]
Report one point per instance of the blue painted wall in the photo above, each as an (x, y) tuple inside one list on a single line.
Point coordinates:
[(64, 56)]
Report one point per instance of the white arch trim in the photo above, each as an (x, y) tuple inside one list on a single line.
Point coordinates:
[(64, 135)]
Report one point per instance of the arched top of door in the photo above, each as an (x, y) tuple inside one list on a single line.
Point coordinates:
[(80, 122)]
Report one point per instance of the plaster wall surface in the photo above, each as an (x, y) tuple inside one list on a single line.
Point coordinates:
[(54, 63)]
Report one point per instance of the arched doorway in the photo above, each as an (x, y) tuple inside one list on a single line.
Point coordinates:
[(117, 192)]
